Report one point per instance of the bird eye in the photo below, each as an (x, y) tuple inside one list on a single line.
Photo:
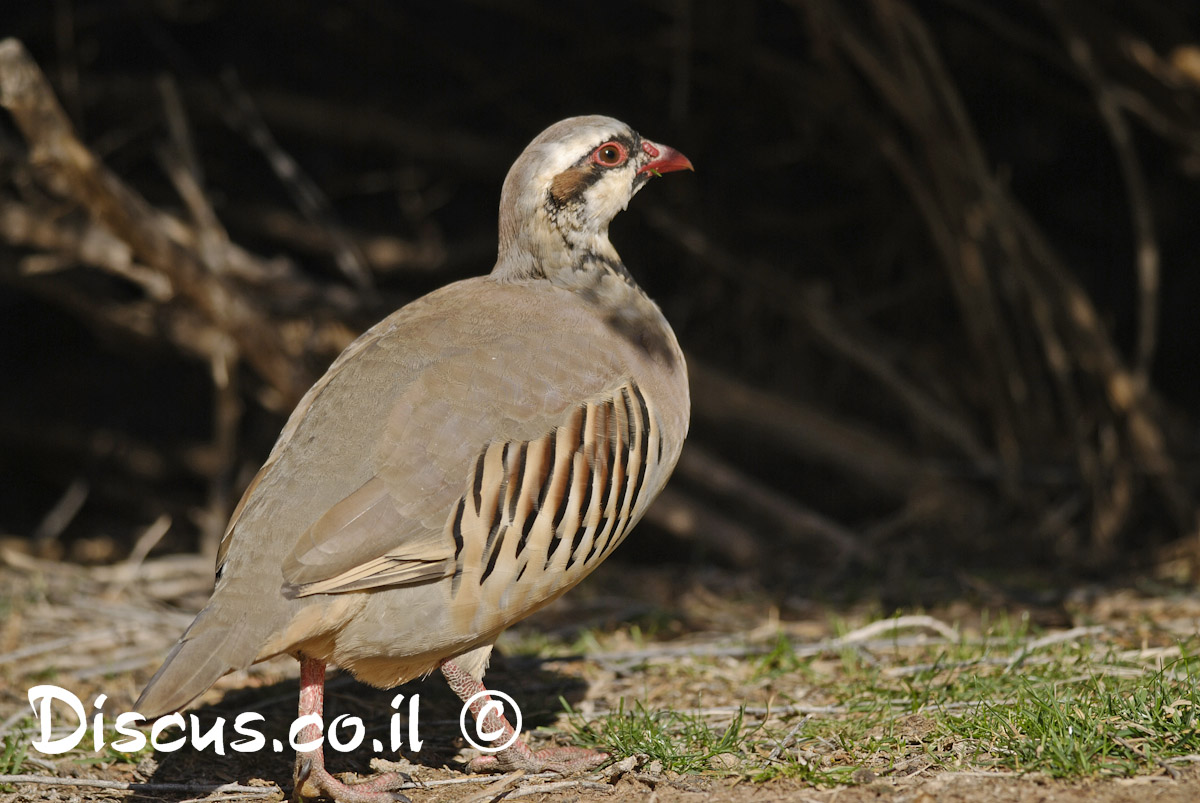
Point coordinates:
[(610, 154)]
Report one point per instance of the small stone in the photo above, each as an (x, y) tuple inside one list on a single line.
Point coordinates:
[(146, 767), (863, 776), (627, 764), (386, 765)]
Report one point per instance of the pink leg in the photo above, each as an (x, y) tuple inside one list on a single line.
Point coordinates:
[(516, 756), (311, 779)]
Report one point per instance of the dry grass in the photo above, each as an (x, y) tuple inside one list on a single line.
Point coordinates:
[(846, 702)]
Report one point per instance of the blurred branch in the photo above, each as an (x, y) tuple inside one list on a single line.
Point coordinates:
[(801, 303), (75, 241), (803, 430), (308, 197), (787, 517), (1109, 106), (1009, 285), (888, 349), (76, 173)]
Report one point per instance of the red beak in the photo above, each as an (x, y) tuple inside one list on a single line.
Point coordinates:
[(664, 159)]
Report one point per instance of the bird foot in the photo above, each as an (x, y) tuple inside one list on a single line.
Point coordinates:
[(314, 781), (563, 760)]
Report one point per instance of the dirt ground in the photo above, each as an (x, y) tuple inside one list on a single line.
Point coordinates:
[(104, 629), (950, 787)]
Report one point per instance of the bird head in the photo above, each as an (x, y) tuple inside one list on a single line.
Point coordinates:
[(564, 190)]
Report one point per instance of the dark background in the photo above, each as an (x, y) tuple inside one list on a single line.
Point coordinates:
[(904, 270)]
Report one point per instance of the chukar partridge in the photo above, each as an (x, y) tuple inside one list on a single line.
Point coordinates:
[(462, 464)]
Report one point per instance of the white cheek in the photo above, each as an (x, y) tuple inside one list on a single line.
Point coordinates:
[(607, 198)]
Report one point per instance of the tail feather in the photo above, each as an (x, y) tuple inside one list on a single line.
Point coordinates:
[(202, 656)]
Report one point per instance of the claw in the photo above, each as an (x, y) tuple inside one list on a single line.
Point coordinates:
[(563, 760), (316, 782), (517, 756)]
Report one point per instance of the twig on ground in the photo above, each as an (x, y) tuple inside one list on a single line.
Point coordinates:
[(145, 788), (494, 790), (559, 786), (1140, 753), (872, 630), (129, 569), (59, 517), (1074, 634), (105, 636), (786, 741)]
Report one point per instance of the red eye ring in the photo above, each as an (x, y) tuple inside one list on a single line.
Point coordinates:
[(610, 154)]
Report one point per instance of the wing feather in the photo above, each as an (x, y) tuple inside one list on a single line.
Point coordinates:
[(340, 551), (428, 434)]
